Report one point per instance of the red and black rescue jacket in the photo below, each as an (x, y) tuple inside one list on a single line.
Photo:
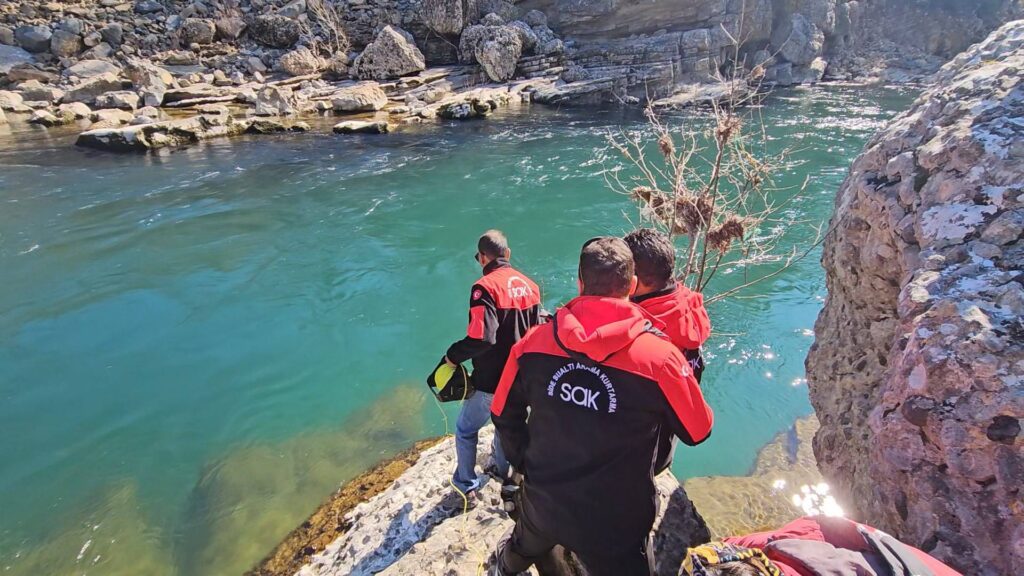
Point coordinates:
[(600, 384), (682, 317), (503, 305)]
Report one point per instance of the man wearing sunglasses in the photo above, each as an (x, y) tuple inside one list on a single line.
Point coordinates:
[(503, 304), (580, 409)]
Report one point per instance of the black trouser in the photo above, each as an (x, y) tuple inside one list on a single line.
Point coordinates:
[(529, 545)]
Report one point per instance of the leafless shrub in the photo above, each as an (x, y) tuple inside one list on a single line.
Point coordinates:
[(324, 28), (710, 185)]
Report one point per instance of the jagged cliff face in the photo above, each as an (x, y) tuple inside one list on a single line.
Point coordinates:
[(917, 375)]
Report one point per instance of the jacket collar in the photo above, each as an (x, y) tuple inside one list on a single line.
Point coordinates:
[(496, 264), (656, 294)]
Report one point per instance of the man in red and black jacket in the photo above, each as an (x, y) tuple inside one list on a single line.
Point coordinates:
[(503, 305), (599, 384), (680, 311)]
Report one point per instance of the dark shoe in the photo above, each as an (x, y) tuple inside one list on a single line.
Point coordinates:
[(496, 564), (458, 502)]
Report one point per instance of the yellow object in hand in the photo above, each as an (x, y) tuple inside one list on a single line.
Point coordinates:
[(443, 375)]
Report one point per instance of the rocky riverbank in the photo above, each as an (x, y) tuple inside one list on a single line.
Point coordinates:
[(917, 373), (147, 74)]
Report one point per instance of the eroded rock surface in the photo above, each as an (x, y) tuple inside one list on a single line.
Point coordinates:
[(406, 530), (917, 374)]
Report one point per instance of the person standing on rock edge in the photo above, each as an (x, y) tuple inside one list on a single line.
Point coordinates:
[(503, 304), (580, 410), (679, 310)]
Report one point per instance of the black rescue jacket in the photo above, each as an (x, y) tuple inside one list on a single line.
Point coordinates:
[(503, 305), (601, 385)]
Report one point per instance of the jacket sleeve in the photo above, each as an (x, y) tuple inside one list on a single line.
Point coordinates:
[(509, 411), (688, 414), (481, 333)]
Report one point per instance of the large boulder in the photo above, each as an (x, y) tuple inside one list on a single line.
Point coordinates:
[(275, 101), (87, 90), (91, 68), (36, 91), (391, 54), (301, 61), (798, 40), (11, 101), (198, 31), (229, 28), (363, 97), (120, 99), (11, 56), (917, 370), (443, 16), (64, 44), (150, 81), (275, 31), (33, 38), (498, 52)]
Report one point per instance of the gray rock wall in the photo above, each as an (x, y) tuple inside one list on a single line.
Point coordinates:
[(917, 374)]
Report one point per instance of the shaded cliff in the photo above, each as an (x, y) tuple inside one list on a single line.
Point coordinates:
[(917, 374)]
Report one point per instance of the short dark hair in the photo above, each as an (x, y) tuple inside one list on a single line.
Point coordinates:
[(654, 256), (493, 244), (606, 267)]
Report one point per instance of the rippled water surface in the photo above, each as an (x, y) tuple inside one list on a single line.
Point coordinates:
[(197, 347)]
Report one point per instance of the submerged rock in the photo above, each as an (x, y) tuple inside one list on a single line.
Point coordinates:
[(917, 368), (392, 54), (362, 127)]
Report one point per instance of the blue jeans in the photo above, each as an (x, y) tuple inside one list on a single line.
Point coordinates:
[(474, 415)]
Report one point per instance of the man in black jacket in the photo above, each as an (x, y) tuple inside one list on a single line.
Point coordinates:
[(503, 305), (599, 385)]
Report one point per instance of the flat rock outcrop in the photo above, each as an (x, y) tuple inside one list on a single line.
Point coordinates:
[(917, 374), (405, 529)]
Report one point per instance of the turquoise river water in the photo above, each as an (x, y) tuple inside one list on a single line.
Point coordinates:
[(197, 347)]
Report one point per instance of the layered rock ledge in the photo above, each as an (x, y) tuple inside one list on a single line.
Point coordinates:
[(917, 374)]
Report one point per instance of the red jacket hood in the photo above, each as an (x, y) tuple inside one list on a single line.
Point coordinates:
[(681, 315), (598, 327)]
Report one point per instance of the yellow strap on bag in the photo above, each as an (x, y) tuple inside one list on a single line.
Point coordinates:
[(443, 375)]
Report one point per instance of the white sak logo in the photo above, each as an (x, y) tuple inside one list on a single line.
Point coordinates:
[(582, 395), (518, 288)]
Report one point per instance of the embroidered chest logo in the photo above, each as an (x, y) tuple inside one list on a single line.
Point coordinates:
[(585, 386), (518, 288)]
